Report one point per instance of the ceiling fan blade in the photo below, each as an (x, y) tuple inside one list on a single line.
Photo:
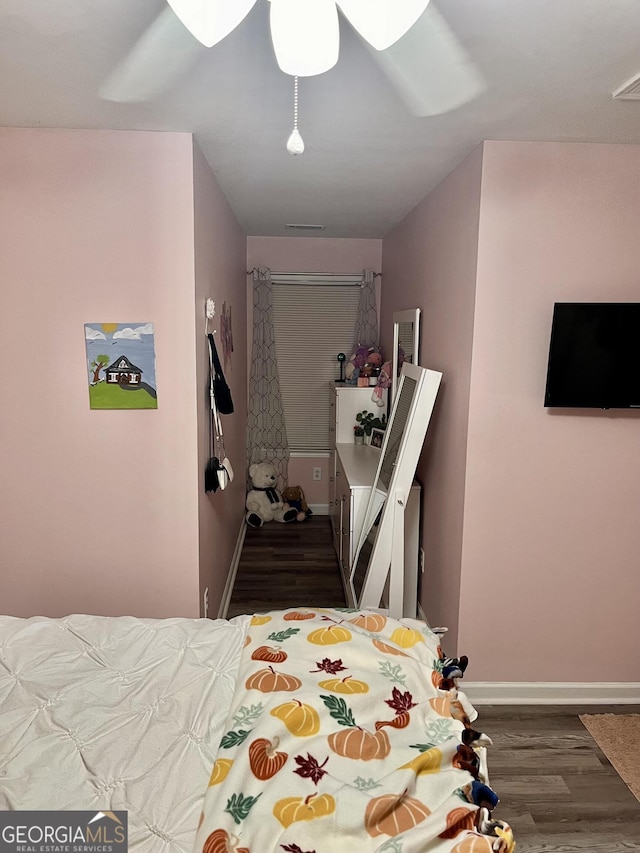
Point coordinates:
[(305, 36), (382, 22), (211, 20), (157, 61), (429, 67)]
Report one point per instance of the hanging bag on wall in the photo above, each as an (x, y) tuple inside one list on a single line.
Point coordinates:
[(222, 392), (218, 473), (211, 480)]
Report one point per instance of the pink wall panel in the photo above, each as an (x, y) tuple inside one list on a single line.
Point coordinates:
[(550, 581), (220, 260), (314, 254), (429, 262), (530, 515), (99, 508)]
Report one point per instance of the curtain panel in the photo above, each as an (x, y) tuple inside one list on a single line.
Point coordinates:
[(266, 428), (366, 328)]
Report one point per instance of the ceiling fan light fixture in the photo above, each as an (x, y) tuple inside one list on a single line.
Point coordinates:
[(306, 36), (382, 22), (211, 20)]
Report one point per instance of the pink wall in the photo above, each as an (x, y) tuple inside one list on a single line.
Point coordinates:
[(429, 262), (310, 254), (550, 581), (99, 508), (220, 259), (314, 254), (530, 515)]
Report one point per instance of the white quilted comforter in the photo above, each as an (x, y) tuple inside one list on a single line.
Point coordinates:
[(116, 713)]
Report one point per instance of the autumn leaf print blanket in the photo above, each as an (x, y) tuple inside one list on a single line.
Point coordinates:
[(348, 733)]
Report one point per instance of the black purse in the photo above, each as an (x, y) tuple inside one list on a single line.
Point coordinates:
[(221, 390), (218, 473), (211, 482)]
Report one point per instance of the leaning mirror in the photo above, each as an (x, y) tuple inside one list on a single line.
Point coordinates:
[(406, 338), (379, 564)]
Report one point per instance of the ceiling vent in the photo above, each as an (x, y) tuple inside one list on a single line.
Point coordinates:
[(630, 91), (297, 226)]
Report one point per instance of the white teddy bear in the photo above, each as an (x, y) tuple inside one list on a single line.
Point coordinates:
[(264, 502)]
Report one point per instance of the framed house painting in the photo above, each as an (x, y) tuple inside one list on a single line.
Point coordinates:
[(121, 365)]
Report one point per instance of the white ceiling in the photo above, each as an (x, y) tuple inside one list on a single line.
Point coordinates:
[(550, 68)]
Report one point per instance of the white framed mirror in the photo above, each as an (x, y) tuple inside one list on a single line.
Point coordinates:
[(406, 337), (379, 559)]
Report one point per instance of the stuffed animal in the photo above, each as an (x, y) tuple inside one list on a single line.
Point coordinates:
[(374, 361), (294, 496), (384, 381), (466, 758), (356, 363), (264, 502), (454, 667), (480, 794), (495, 829)]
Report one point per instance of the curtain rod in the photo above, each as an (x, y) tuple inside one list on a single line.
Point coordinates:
[(334, 274)]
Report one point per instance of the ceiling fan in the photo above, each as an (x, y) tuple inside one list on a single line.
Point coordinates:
[(409, 39)]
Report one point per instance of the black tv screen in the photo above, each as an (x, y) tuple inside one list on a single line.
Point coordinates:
[(594, 356)]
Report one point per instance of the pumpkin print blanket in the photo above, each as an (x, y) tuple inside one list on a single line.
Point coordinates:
[(345, 735)]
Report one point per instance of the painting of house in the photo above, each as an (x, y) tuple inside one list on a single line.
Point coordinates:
[(123, 372), (129, 381)]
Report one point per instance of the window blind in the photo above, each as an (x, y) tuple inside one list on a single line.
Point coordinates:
[(313, 322), (405, 341)]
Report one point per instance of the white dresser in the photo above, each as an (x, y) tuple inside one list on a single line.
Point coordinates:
[(352, 467), (352, 472)]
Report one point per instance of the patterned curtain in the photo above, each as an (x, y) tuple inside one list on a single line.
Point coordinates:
[(366, 329), (266, 430)]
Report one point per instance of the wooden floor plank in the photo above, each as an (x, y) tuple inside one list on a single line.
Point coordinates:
[(287, 565)]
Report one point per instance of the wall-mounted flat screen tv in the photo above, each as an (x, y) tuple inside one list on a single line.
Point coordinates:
[(594, 356)]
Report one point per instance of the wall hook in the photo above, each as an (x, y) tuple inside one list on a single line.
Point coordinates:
[(210, 313)]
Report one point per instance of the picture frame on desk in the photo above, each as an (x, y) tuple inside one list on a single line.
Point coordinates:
[(377, 438)]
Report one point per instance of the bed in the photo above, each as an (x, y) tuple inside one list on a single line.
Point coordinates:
[(306, 731)]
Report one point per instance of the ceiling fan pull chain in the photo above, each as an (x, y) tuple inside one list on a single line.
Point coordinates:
[(295, 145)]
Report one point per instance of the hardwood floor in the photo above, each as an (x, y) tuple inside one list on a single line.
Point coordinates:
[(556, 787), (287, 565)]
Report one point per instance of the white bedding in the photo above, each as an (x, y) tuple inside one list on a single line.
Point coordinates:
[(116, 713)]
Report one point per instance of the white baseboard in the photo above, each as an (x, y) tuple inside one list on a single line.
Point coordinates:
[(552, 693), (319, 509), (233, 570)]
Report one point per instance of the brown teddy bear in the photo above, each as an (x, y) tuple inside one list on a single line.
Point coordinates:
[(294, 496)]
